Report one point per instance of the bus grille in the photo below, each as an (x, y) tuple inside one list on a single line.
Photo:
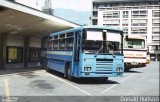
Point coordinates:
[(104, 65)]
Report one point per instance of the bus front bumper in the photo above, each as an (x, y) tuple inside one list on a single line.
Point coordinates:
[(101, 74)]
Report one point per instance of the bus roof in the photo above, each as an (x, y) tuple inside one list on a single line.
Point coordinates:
[(85, 27), (136, 37)]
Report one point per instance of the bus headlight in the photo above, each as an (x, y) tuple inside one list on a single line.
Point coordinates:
[(119, 69), (87, 68)]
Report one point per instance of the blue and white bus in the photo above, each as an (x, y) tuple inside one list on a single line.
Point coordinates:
[(87, 51)]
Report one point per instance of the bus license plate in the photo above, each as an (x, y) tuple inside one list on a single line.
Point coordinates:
[(134, 63)]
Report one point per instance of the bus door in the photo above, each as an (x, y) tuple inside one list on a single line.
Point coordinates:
[(77, 46), (76, 52)]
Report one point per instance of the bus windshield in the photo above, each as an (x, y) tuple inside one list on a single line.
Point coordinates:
[(134, 43), (105, 42)]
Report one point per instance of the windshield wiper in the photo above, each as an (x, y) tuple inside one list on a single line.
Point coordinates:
[(98, 51)]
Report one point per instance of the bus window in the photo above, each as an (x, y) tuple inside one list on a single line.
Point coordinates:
[(70, 34), (55, 45), (113, 47), (96, 39), (134, 43), (62, 36), (69, 41), (69, 44), (62, 44), (50, 43)]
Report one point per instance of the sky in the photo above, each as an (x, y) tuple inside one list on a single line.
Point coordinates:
[(78, 5)]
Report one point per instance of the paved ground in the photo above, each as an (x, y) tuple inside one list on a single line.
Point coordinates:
[(36, 82)]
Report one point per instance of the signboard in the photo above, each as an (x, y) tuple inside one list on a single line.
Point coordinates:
[(12, 53)]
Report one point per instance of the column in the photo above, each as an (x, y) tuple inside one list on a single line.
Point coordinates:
[(3, 44), (43, 59), (26, 51)]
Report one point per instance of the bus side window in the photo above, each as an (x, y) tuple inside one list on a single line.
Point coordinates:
[(69, 41), (62, 44), (55, 42), (50, 45), (69, 44)]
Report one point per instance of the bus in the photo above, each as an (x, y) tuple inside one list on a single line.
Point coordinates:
[(135, 52), (86, 51)]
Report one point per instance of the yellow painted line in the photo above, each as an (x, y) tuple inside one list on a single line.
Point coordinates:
[(7, 90)]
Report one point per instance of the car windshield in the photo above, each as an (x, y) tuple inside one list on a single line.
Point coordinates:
[(97, 41)]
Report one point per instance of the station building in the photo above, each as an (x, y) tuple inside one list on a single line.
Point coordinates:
[(22, 31), (140, 17)]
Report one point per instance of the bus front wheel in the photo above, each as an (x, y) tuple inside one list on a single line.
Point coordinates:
[(126, 69)]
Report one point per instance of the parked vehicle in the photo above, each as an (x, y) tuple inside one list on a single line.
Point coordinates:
[(89, 51), (135, 52)]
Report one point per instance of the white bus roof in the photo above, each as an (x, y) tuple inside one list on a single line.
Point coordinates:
[(136, 37)]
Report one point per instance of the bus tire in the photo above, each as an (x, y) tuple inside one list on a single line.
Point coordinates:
[(126, 69)]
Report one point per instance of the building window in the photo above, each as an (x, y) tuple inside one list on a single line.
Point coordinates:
[(94, 22), (34, 54), (155, 22), (156, 30), (125, 14), (125, 22), (14, 54), (156, 13), (125, 30), (95, 14), (111, 15), (139, 14), (139, 22)]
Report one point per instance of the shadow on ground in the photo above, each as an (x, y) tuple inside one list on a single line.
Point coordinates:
[(86, 80), (132, 71), (21, 71)]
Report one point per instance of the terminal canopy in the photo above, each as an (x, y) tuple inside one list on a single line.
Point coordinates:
[(20, 20)]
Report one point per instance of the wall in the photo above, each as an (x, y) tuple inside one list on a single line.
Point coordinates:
[(18, 41)]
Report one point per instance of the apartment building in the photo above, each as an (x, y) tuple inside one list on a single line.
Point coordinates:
[(140, 17)]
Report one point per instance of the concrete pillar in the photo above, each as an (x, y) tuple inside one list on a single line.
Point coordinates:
[(43, 59), (26, 51), (43, 43), (3, 44)]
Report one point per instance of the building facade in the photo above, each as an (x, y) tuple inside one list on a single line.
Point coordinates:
[(140, 17)]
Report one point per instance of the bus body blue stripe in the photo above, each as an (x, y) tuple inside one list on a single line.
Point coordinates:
[(59, 57), (56, 65)]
